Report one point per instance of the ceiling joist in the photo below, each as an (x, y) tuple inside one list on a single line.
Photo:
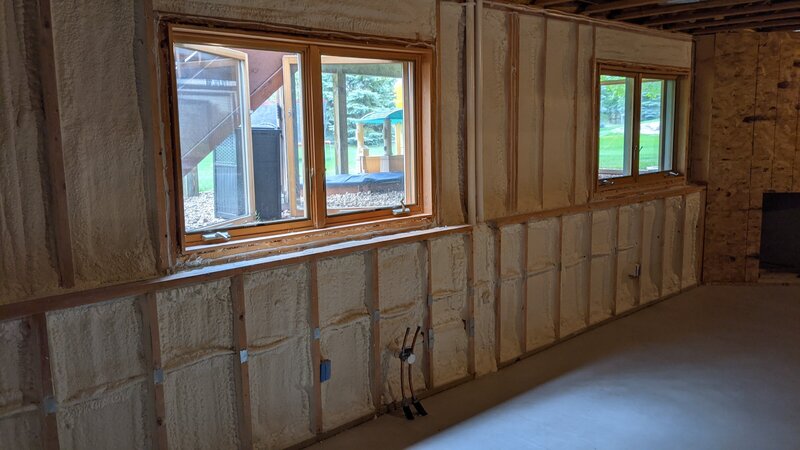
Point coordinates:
[(746, 21), (721, 12), (599, 8)]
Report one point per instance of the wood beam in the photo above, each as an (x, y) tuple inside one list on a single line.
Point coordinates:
[(740, 20), (619, 4), (748, 23), (652, 12), (548, 3), (722, 12), (54, 154)]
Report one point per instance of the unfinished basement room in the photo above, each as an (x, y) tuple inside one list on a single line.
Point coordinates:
[(375, 224)]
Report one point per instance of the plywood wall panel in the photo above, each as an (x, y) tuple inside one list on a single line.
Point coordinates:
[(559, 113), (531, 92), (786, 114)]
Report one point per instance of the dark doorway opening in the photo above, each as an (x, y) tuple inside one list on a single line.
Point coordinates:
[(780, 233)]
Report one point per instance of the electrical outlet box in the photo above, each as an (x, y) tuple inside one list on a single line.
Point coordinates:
[(324, 370)]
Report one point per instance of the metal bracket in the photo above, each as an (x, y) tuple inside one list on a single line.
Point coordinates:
[(158, 376), (243, 356), (376, 315), (316, 334), (50, 405), (216, 236)]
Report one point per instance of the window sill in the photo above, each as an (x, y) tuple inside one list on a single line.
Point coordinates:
[(655, 182), (223, 252)]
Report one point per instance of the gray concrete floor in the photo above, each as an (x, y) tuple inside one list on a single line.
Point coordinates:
[(717, 367)]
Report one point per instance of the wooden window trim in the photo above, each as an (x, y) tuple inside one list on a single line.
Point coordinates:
[(310, 51), (636, 181)]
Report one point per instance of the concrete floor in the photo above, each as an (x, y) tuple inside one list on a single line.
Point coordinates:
[(717, 367)]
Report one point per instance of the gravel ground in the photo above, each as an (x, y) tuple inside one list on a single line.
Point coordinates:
[(199, 210)]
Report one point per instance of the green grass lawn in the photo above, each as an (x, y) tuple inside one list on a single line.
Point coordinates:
[(611, 150)]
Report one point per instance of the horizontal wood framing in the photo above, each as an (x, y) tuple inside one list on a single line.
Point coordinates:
[(96, 295)]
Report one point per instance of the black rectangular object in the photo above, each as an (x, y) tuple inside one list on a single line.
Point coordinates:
[(780, 232), (267, 172)]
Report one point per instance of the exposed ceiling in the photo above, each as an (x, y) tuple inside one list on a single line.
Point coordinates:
[(689, 16)]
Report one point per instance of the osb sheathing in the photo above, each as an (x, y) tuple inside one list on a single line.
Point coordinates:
[(402, 283), (26, 262), (750, 83), (278, 339), (103, 140), (603, 275), (345, 338)]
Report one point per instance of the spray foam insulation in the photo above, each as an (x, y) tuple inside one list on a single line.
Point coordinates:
[(95, 347), (621, 45), (483, 265), (604, 242), (402, 286), (412, 19), (559, 112), (19, 417), (575, 250), (25, 261), (345, 338), (452, 43), (21, 431), (531, 88), (584, 128), (200, 405), (103, 140), (495, 113), (673, 245), (652, 250), (512, 269), (690, 236), (115, 419), (542, 266), (449, 291), (194, 322), (278, 333), (629, 239)]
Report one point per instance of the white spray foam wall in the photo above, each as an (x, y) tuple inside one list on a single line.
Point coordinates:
[(604, 242), (449, 291), (413, 19), (344, 338), (99, 375), (402, 286), (629, 238), (673, 245), (200, 404), (690, 236), (484, 282), (652, 251), (531, 88), (116, 419), (19, 420), (194, 321), (575, 250), (512, 269), (542, 272), (280, 368), (196, 331)]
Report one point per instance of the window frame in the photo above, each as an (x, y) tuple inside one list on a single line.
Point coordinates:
[(310, 51), (651, 179)]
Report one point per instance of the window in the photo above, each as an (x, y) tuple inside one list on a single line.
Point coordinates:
[(274, 135), (636, 126)]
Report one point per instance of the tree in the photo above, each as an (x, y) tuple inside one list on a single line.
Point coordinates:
[(365, 94)]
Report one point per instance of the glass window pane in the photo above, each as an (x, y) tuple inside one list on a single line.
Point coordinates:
[(615, 140), (368, 117), (241, 136), (655, 131)]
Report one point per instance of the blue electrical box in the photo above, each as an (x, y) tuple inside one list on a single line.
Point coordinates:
[(324, 370)]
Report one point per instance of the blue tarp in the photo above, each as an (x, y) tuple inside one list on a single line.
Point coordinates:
[(363, 178), (377, 117)]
